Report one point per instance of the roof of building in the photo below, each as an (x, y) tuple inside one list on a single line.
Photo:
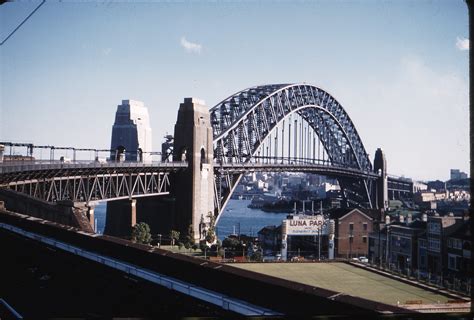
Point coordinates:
[(417, 225), (463, 231), (270, 229), (339, 213)]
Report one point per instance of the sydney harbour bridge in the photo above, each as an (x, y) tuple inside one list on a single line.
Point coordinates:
[(275, 128)]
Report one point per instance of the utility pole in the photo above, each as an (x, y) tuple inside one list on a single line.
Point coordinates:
[(350, 243), (319, 243), (387, 249)]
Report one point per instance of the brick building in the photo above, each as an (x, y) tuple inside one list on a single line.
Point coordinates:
[(352, 231)]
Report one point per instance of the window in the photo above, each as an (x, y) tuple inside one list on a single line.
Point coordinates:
[(434, 227), (433, 245), (452, 262), (457, 244), (351, 227), (422, 261), (454, 243), (365, 226), (351, 239), (364, 239), (422, 243)]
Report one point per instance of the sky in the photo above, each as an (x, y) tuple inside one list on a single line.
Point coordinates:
[(399, 68)]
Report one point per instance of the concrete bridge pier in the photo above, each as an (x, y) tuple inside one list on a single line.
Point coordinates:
[(193, 188), (121, 217), (90, 215)]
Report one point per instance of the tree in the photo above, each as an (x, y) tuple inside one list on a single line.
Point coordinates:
[(141, 233), (203, 246), (256, 256), (189, 240), (231, 243), (174, 236)]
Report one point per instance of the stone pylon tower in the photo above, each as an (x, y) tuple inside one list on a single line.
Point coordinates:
[(194, 187), (381, 190), (131, 132)]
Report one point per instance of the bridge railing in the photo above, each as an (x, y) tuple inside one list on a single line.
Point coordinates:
[(18, 166)]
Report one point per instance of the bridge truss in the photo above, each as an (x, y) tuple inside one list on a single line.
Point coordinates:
[(86, 182), (293, 125)]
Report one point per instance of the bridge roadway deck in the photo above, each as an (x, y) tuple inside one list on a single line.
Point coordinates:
[(30, 170), (59, 168), (324, 169), (265, 292)]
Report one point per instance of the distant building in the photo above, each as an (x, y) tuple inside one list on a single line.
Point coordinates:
[(458, 249), (439, 228), (419, 186), (131, 133), (428, 196), (403, 243), (269, 238), (436, 185), (456, 174), (324, 188)]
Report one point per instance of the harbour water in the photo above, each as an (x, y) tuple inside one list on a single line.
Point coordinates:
[(236, 215)]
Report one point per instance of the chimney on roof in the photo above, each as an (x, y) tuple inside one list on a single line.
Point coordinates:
[(409, 218), (401, 218), (424, 217), (387, 219)]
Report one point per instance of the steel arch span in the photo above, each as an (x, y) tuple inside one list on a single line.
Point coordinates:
[(243, 123)]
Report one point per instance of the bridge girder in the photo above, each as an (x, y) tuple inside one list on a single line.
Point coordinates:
[(79, 182)]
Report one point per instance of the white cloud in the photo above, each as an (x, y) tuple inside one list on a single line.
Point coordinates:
[(462, 44), (106, 51), (190, 46)]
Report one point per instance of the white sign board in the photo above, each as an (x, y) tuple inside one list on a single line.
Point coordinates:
[(307, 226)]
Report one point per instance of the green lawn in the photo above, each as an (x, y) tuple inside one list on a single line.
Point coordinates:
[(345, 278)]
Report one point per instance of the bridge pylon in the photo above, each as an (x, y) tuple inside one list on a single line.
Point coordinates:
[(194, 187), (381, 189)]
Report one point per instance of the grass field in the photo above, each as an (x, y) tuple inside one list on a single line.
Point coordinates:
[(345, 278)]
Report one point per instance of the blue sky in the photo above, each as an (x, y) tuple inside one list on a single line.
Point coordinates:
[(399, 68)]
